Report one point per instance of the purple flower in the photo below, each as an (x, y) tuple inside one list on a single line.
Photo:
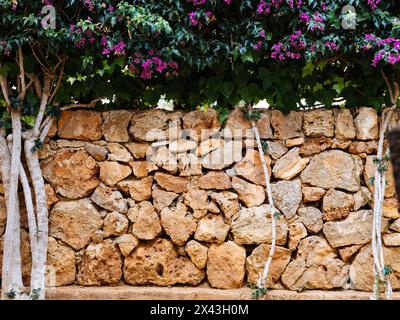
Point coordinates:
[(228, 2), (193, 19), (146, 74), (119, 49), (106, 51)]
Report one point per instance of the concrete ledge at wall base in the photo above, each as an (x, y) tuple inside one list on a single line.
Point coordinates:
[(190, 293)]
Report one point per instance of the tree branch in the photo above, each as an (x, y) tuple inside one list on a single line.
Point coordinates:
[(81, 105)]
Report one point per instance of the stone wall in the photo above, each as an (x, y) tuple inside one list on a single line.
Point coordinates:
[(165, 198)]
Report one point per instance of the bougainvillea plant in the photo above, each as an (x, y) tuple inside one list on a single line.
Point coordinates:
[(57, 55)]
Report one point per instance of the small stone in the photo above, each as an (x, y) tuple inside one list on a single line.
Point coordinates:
[(345, 129), (226, 265), (317, 123), (390, 208), (127, 243), (208, 146), (112, 172), (395, 226), (294, 142), (391, 239), (109, 199), (115, 224), (141, 169), (96, 151), (366, 122), (201, 122), (340, 144), (311, 217), (84, 125), (359, 147), (264, 125), (315, 145), (251, 168), (287, 126), (51, 199), (218, 180), (346, 253), (163, 199), (197, 200), (361, 198), (223, 157), (197, 253), (250, 194), (276, 149), (138, 150), (70, 143), (312, 194), (369, 172), (118, 153), (140, 189), (171, 183), (297, 231), (287, 196), (228, 202), (237, 121), (213, 207), (182, 146), (290, 165), (189, 165), (98, 236), (115, 125), (146, 223), (164, 159), (336, 205), (211, 229)]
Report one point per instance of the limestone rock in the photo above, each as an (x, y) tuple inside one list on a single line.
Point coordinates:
[(171, 183), (218, 180), (158, 263), (140, 189), (164, 159), (101, 265), (74, 222), (369, 172), (3, 215), (182, 146), (297, 231), (200, 121), (319, 122), (294, 142), (367, 147), (312, 194), (197, 200), (237, 121), (60, 268), (154, 124), (361, 198), (205, 147), (71, 172), (70, 144), (276, 149), (287, 196), (346, 253), (141, 169), (228, 202), (250, 167), (355, 229), (253, 226), (127, 243), (311, 217), (112, 172), (197, 253), (290, 165), (391, 239), (97, 152), (225, 265), (162, 199), (395, 226), (178, 224), (146, 223), (250, 194), (315, 145), (115, 125), (109, 199), (211, 229), (189, 165), (118, 153), (256, 261), (337, 205), (316, 266), (287, 126), (84, 125), (115, 224), (366, 122), (390, 208), (223, 157), (51, 199), (345, 129), (333, 169), (138, 150)]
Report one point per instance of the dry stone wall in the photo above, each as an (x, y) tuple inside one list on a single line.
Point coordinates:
[(164, 198)]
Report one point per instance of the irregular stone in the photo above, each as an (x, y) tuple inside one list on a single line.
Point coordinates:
[(225, 265), (355, 229), (255, 264), (70, 144), (315, 145), (391, 239), (209, 145), (316, 266), (346, 253), (171, 183), (198, 201), (112, 172), (366, 122), (158, 263), (336, 205), (345, 129), (154, 124), (146, 223), (361, 269), (311, 217), (319, 122), (189, 165), (201, 122), (118, 153), (141, 169), (197, 253), (115, 125), (361, 198), (223, 157), (109, 199), (51, 199), (213, 207), (264, 125), (140, 189), (250, 194), (115, 224), (340, 144), (250, 167), (164, 159), (294, 142), (162, 199), (3, 215), (71, 172), (228, 202), (45, 152), (367, 147), (211, 229), (138, 150), (237, 121), (369, 172), (253, 226), (60, 265), (333, 169), (312, 194), (218, 180), (74, 222), (127, 243), (182, 146), (97, 152), (178, 224), (290, 165), (84, 125), (395, 226), (297, 231), (287, 126), (98, 236), (101, 265), (287, 196), (276, 149)]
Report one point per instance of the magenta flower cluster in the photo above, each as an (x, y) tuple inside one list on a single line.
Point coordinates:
[(81, 38), (388, 49), (146, 66)]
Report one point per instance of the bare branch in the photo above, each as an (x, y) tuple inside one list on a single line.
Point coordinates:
[(4, 89), (60, 76), (81, 105), (45, 129), (43, 105), (36, 84), (21, 73), (388, 85)]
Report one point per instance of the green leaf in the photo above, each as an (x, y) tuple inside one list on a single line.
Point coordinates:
[(227, 89)]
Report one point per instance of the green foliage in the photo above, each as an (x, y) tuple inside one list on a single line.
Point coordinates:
[(11, 294), (35, 294), (38, 144), (258, 293), (387, 270)]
